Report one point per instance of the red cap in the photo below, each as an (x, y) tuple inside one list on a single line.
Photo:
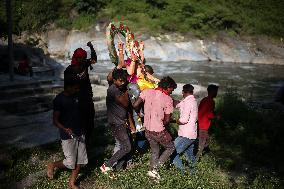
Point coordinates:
[(78, 53)]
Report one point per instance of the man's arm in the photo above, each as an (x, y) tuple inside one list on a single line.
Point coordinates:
[(176, 102), (109, 77), (137, 103), (120, 56), (166, 119), (93, 53), (56, 122), (131, 121), (211, 108)]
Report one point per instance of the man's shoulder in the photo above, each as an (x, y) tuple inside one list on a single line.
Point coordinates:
[(112, 89), (69, 68), (59, 96), (146, 93), (190, 99), (204, 99)]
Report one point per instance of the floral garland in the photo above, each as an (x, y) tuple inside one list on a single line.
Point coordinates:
[(132, 45)]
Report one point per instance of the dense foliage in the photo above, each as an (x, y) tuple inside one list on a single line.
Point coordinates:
[(195, 16)]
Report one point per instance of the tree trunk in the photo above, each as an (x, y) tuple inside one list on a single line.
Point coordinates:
[(10, 39)]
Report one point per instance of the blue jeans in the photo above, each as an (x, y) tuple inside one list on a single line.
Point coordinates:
[(183, 145)]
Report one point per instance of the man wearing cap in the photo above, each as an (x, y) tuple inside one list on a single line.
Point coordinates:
[(79, 70)]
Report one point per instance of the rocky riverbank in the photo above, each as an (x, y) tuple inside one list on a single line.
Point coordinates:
[(61, 43)]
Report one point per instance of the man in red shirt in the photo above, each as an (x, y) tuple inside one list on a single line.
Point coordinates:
[(205, 115)]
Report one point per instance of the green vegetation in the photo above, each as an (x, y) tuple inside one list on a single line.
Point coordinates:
[(246, 144), (203, 17)]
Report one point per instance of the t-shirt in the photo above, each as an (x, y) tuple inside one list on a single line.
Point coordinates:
[(116, 113), (188, 117), (80, 73), (69, 114), (156, 105), (205, 113)]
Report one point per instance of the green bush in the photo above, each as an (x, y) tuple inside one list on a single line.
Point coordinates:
[(254, 135), (83, 21)]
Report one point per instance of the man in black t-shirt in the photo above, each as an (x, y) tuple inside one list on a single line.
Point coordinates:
[(79, 70), (66, 118), (117, 102)]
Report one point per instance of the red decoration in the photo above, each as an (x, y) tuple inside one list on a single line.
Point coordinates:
[(113, 27)]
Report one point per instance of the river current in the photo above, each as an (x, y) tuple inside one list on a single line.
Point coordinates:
[(256, 81)]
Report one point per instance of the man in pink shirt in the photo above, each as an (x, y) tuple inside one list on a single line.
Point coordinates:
[(205, 115), (187, 122), (158, 107)]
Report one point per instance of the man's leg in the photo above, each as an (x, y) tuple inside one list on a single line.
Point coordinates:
[(90, 123), (120, 133), (202, 142), (181, 144), (155, 150), (165, 140), (52, 165), (73, 177), (69, 148), (189, 152)]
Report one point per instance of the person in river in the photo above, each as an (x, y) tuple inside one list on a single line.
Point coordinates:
[(205, 115), (66, 118), (79, 70), (158, 107)]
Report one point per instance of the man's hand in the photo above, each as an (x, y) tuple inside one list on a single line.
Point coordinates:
[(68, 131), (89, 44), (120, 46), (141, 46)]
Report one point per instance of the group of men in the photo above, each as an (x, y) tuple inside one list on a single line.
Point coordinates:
[(74, 116)]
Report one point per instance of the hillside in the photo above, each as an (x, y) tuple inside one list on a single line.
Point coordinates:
[(197, 17)]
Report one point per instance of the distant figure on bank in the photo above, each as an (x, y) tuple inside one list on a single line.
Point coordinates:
[(158, 107), (117, 102), (205, 115), (24, 67), (79, 70), (66, 118), (187, 132)]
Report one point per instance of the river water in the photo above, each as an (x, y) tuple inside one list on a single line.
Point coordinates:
[(256, 81)]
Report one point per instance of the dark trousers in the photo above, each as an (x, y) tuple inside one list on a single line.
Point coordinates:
[(156, 139), (87, 112), (203, 142), (121, 135)]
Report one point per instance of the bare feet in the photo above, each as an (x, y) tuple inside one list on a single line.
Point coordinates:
[(50, 170)]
